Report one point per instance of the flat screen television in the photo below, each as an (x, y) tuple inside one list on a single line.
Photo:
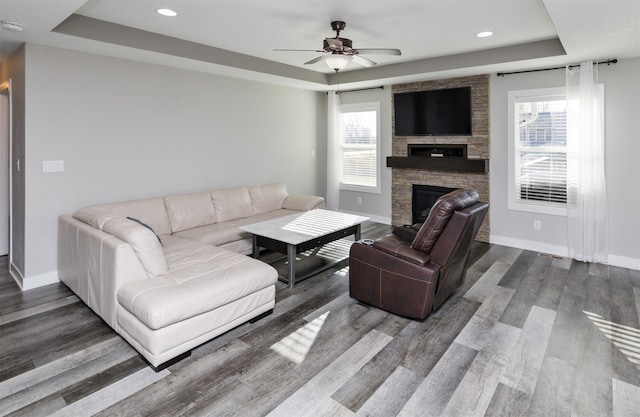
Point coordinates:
[(433, 112)]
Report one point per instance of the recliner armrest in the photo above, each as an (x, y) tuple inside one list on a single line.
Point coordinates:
[(393, 245), (407, 232)]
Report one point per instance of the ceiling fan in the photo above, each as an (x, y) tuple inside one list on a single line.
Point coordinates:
[(338, 52)]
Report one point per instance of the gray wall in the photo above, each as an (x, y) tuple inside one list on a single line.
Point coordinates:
[(129, 130), (622, 127), (375, 206)]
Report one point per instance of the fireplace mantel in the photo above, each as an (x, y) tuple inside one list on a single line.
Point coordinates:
[(439, 164)]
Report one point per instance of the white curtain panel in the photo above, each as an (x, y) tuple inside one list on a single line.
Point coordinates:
[(587, 214), (333, 151)]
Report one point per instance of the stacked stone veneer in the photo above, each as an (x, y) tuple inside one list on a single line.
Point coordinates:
[(477, 148)]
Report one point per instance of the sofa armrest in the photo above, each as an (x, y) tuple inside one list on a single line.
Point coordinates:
[(303, 202), (94, 264)]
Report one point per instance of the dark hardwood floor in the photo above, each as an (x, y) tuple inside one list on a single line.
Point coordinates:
[(527, 335)]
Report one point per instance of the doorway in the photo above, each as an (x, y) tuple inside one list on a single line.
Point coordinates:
[(5, 178)]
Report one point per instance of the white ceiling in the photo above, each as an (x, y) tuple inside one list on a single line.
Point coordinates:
[(237, 37)]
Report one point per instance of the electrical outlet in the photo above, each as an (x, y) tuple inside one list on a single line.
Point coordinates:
[(537, 225)]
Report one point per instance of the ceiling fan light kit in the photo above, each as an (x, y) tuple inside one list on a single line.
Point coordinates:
[(339, 51), (337, 62)]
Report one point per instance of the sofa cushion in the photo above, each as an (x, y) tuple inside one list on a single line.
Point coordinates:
[(187, 211), (266, 198), (222, 233), (152, 211), (202, 278), (143, 224), (439, 216), (232, 203), (144, 242)]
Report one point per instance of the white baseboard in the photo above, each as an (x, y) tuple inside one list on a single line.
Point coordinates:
[(34, 281), (624, 262), (614, 260), (529, 245)]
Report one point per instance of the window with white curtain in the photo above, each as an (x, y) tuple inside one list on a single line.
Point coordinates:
[(360, 147), (538, 150)]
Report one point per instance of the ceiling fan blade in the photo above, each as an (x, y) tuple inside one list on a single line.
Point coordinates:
[(365, 62), (314, 60), (379, 51), (298, 50)]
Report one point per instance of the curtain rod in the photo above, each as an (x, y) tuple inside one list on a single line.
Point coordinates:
[(381, 87), (608, 62)]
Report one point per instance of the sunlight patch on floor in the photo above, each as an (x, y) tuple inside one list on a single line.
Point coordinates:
[(342, 272), (625, 338), (296, 346)]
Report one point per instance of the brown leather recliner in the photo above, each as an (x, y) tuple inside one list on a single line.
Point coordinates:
[(413, 271)]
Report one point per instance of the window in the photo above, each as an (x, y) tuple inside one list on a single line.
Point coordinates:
[(359, 147), (538, 151)]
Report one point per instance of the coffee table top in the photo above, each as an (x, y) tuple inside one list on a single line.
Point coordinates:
[(302, 227)]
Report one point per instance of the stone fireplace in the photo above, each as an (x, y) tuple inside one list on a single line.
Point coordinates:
[(438, 161)]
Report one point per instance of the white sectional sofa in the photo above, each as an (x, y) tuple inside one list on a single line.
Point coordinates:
[(171, 273)]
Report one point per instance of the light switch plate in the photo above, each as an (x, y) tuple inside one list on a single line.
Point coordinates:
[(52, 166)]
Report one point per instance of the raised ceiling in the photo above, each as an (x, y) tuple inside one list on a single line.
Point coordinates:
[(237, 37)]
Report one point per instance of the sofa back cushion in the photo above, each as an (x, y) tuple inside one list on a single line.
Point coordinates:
[(151, 211), (439, 216), (232, 203), (267, 198), (144, 242), (187, 211)]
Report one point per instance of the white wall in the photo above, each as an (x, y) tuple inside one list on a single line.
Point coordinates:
[(129, 130), (376, 206), (622, 132)]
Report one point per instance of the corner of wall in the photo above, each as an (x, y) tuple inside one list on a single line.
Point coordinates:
[(35, 281)]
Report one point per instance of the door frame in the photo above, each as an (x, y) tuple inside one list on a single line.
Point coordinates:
[(5, 88)]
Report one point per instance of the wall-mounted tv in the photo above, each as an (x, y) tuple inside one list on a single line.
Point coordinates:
[(433, 112)]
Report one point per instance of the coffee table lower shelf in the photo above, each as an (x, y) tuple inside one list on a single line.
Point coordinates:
[(292, 250)]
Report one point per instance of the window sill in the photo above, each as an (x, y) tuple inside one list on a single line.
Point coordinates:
[(360, 189), (538, 208)]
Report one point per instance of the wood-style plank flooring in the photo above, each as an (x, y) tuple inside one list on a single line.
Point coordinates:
[(527, 335)]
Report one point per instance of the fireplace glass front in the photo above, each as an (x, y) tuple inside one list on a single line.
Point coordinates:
[(423, 198)]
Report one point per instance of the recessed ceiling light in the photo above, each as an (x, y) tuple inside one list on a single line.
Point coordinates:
[(6, 24), (484, 34), (167, 12)]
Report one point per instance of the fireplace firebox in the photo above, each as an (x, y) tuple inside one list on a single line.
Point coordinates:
[(423, 197)]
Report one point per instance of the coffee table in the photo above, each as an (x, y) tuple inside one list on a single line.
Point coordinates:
[(300, 232)]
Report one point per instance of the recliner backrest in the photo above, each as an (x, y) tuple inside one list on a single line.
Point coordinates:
[(439, 216), (451, 251)]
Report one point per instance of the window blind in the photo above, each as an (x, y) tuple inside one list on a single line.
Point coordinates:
[(541, 150), (359, 148)]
